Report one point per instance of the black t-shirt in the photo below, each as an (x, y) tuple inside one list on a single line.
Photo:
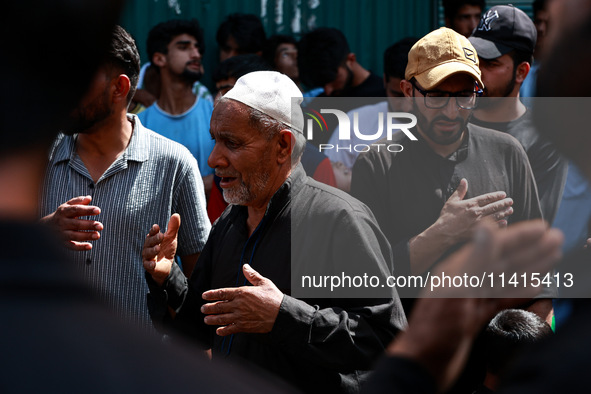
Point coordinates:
[(548, 166), (407, 190)]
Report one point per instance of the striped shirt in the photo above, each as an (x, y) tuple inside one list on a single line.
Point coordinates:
[(153, 178)]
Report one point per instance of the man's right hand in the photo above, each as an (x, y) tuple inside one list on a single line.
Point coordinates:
[(459, 217), (77, 232), (456, 224), (159, 249)]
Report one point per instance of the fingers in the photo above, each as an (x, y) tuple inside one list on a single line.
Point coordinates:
[(488, 198), (154, 230), (227, 294), (228, 330), (81, 236), (220, 320), (173, 226), (151, 247), (74, 211), (80, 225), (78, 246), (83, 200), (218, 307), (253, 276), (499, 209), (460, 192), (149, 256)]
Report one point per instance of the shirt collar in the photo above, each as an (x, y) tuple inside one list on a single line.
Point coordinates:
[(139, 146), (283, 195), (137, 150)]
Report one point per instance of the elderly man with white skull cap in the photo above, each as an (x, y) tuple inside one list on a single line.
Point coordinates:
[(292, 277)]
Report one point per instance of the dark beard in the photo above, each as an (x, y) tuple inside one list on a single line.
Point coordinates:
[(427, 128), (348, 83), (191, 76), (83, 119), (489, 101)]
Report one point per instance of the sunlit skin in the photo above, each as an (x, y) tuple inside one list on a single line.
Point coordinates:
[(465, 20), (180, 67), (252, 168), (443, 128), (183, 55)]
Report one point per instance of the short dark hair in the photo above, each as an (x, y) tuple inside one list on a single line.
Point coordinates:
[(520, 57), (451, 7), (396, 57), (508, 333), (320, 53), (246, 29), (123, 55), (538, 5), (273, 43), (163, 33), (237, 66)]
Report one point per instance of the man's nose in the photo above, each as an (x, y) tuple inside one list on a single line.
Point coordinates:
[(195, 52), (451, 108), (216, 158)]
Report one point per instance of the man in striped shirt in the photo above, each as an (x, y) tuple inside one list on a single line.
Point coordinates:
[(133, 177)]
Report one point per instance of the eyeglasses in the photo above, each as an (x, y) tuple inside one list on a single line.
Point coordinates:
[(437, 99)]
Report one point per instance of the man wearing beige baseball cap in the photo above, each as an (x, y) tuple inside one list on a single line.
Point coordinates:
[(428, 197), (284, 225)]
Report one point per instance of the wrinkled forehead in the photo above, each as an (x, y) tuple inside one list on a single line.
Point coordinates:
[(228, 114)]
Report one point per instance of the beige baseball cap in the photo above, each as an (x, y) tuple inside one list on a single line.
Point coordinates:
[(439, 55)]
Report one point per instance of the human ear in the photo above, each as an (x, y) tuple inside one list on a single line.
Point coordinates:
[(121, 86), (406, 88), (285, 145), (521, 72), (159, 59)]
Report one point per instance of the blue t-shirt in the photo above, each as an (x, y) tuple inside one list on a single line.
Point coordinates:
[(190, 129)]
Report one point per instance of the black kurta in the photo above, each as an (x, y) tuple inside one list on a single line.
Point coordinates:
[(548, 166), (322, 344)]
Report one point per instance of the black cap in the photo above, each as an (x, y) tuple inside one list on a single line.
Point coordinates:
[(502, 29)]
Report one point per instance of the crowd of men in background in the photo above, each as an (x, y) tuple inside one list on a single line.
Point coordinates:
[(246, 201)]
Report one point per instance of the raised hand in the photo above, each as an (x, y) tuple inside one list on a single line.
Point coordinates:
[(244, 309), (458, 217), (159, 249), (76, 232)]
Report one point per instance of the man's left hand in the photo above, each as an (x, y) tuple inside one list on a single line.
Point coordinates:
[(244, 309)]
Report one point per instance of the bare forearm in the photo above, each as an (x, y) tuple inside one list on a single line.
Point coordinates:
[(426, 248)]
